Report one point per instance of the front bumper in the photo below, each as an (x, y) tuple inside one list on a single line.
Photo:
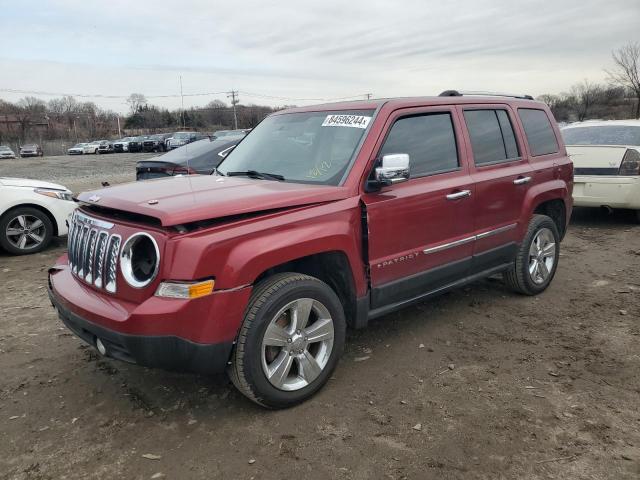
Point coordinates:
[(149, 334), (611, 191)]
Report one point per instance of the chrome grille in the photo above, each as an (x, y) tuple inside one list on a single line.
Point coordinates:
[(93, 252)]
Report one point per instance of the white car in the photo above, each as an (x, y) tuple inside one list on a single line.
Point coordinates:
[(92, 147), (32, 212), (6, 152), (606, 161), (77, 149)]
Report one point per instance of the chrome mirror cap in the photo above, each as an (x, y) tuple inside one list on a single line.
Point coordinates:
[(394, 169)]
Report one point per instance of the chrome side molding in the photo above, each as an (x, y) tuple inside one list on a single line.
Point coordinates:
[(462, 241)]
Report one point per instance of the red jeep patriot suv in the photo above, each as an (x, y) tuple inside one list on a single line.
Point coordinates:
[(323, 217)]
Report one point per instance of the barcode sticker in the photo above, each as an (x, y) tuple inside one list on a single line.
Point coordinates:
[(355, 121)]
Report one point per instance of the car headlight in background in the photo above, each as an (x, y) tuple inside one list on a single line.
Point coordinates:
[(59, 194), (140, 260)]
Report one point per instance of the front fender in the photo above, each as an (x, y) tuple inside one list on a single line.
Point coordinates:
[(238, 254)]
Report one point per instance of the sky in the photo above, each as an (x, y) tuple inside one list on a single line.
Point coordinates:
[(303, 52)]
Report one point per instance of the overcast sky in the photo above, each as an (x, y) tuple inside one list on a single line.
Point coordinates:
[(301, 49)]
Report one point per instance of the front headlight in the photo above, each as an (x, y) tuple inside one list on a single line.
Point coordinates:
[(59, 194), (140, 260)]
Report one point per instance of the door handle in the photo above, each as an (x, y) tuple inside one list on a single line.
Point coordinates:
[(521, 180), (458, 195)]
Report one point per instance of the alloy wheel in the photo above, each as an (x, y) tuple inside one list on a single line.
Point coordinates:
[(297, 344), (25, 232), (542, 256)]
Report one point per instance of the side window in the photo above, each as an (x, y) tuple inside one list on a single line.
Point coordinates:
[(428, 139), (492, 137), (538, 130)]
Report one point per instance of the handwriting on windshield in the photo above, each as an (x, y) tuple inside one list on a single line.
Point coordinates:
[(319, 169)]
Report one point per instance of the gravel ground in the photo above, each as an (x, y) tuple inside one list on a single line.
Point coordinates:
[(478, 383), (76, 172)]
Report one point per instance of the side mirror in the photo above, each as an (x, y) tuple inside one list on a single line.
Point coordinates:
[(394, 168)]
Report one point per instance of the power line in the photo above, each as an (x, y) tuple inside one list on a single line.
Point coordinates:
[(200, 94)]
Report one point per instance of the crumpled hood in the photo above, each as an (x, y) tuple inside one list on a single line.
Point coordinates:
[(181, 200), (28, 182)]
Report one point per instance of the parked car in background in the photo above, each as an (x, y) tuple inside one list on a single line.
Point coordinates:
[(105, 147), (179, 139), (6, 152), (122, 145), (77, 149), (324, 216), (156, 143), (31, 150), (92, 147), (32, 213), (136, 144), (606, 160), (200, 157)]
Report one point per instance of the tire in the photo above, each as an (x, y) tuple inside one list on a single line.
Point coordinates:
[(10, 222), (519, 277), (637, 212), (274, 300)]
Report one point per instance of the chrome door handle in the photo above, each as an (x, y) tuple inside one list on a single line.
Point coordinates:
[(457, 195), (522, 180)]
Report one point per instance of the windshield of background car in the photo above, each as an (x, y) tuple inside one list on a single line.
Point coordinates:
[(308, 147), (4, 149), (181, 136), (602, 135)]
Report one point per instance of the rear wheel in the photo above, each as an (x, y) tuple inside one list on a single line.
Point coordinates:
[(290, 341), (25, 230), (537, 258)]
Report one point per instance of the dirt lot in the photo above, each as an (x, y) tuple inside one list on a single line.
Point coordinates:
[(479, 383)]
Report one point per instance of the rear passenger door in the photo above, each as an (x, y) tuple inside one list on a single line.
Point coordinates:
[(502, 176), (420, 231)]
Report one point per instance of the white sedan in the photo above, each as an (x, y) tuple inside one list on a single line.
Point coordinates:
[(606, 161), (32, 213)]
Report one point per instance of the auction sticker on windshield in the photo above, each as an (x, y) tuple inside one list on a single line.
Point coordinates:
[(356, 121)]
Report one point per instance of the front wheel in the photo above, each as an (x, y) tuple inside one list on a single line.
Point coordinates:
[(25, 230), (537, 259), (290, 341)]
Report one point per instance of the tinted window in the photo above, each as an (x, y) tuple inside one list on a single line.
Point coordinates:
[(539, 133), (428, 139), (486, 130), (508, 136), (602, 135)]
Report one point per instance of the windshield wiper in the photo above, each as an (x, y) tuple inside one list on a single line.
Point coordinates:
[(256, 174)]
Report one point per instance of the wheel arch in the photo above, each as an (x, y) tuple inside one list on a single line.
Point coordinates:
[(42, 209), (551, 199), (332, 267)]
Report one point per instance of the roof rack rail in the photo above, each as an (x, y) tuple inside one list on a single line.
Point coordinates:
[(456, 93)]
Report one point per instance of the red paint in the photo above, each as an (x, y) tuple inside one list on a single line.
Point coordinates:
[(290, 221)]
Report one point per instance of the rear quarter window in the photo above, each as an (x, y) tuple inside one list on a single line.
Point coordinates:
[(538, 131)]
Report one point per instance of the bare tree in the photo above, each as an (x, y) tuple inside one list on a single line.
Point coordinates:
[(626, 71), (135, 101), (585, 95)]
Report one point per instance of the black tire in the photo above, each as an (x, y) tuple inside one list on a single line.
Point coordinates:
[(9, 217), (518, 277), (268, 298)]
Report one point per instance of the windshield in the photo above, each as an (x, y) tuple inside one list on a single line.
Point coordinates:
[(309, 147), (180, 136), (602, 135), (4, 148)]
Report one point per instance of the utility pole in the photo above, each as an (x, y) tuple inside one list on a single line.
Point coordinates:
[(182, 100), (233, 94), (368, 95), (118, 119)]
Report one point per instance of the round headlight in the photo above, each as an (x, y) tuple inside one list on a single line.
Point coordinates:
[(139, 260)]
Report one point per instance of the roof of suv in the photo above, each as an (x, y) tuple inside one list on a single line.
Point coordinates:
[(401, 102)]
